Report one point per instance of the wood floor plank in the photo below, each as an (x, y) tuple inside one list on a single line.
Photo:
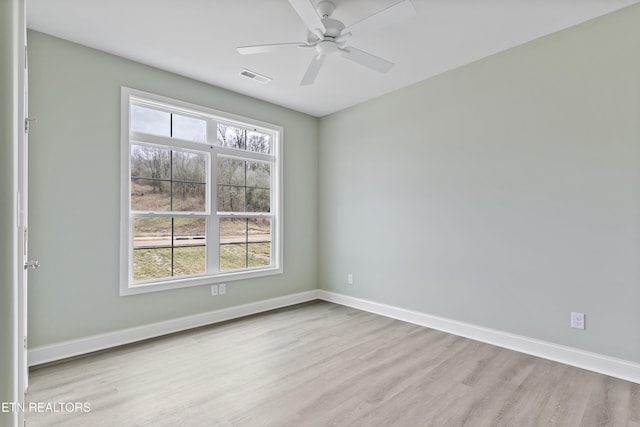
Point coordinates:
[(321, 364)]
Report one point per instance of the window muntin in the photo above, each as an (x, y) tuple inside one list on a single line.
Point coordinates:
[(202, 195)]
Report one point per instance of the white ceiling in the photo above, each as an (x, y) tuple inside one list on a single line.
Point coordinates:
[(197, 39)]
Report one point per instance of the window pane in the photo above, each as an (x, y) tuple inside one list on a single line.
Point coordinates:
[(233, 230), (258, 175), (189, 260), (189, 181), (232, 137), (259, 242), (259, 181), (166, 247), (150, 195), (233, 247), (189, 231), (164, 180), (150, 162), (258, 200), (151, 263), (148, 120), (151, 248), (259, 229), (243, 139), (189, 166), (233, 256), (231, 185), (231, 171), (245, 243), (231, 198), (243, 186), (189, 128), (259, 254), (258, 142), (151, 232), (188, 197)]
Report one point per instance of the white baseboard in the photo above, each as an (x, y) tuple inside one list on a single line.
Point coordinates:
[(65, 349), (611, 366)]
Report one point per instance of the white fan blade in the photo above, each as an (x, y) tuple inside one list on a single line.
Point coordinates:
[(368, 60), (265, 48), (309, 16), (389, 16), (312, 71)]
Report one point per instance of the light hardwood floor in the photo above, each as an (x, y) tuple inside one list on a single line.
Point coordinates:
[(321, 364)]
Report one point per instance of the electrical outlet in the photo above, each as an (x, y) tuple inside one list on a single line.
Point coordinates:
[(222, 288), (577, 320), (214, 290), (350, 279)]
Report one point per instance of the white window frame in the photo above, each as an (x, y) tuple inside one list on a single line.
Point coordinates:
[(213, 275)]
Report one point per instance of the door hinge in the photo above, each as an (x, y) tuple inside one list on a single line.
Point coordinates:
[(33, 264), (24, 341), (27, 124)]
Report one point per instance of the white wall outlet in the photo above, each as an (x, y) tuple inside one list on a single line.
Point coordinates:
[(222, 288), (577, 320), (350, 279), (214, 290)]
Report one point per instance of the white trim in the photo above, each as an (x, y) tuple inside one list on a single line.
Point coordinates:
[(126, 259), (63, 350), (607, 365)]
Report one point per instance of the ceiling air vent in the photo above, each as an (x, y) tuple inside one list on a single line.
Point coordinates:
[(255, 76)]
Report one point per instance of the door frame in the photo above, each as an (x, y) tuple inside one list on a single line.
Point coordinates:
[(22, 201), (12, 115)]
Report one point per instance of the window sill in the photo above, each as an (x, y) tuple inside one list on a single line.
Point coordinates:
[(185, 282)]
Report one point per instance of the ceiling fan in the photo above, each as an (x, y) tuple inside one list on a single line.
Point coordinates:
[(328, 35)]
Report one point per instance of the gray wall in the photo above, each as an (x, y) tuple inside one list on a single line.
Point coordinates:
[(74, 194), (505, 193)]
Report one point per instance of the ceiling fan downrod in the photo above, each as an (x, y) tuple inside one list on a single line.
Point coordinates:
[(325, 9)]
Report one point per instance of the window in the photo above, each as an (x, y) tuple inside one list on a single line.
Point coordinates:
[(200, 195)]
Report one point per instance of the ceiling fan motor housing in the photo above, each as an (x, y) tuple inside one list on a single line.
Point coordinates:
[(333, 27)]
